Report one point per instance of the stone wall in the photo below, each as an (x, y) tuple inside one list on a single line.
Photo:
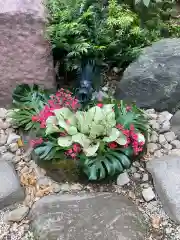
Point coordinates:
[(24, 53)]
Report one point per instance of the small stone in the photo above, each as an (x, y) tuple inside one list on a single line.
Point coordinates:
[(170, 136), (154, 137), (165, 127), (13, 147), (3, 113), (152, 147), (175, 152), (12, 138), (152, 116), (43, 181), (162, 139), (176, 144), (65, 187), (3, 137), (123, 179), (167, 115), (3, 149), (56, 187), (105, 89), (17, 215), (164, 117), (168, 230), (137, 176), (155, 125), (145, 177), (158, 153), (167, 146), (150, 111), (148, 194), (16, 159), (136, 164), (25, 169), (116, 70), (156, 221), (8, 157), (131, 195), (18, 152), (76, 187), (145, 185), (133, 169), (3, 125)]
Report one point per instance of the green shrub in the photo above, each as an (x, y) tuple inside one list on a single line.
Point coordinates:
[(86, 29)]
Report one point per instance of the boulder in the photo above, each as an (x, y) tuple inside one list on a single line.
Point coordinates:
[(153, 80), (25, 54), (175, 124), (102, 216), (10, 190), (166, 177)]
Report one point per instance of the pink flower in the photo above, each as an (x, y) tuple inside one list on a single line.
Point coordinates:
[(36, 142), (76, 148), (100, 105), (128, 108), (112, 145)]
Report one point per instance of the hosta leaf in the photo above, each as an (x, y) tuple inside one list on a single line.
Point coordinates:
[(96, 130), (65, 141), (122, 139), (113, 135), (146, 2), (51, 125), (82, 139), (91, 150)]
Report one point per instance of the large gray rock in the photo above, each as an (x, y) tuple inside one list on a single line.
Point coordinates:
[(175, 124), (153, 80), (25, 54), (102, 216), (166, 176), (10, 190)]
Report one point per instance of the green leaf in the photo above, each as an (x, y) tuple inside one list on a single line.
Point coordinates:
[(65, 141), (51, 125), (122, 139), (113, 135), (82, 139), (91, 150), (146, 2)]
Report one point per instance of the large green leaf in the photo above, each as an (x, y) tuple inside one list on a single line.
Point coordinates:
[(100, 167), (48, 151)]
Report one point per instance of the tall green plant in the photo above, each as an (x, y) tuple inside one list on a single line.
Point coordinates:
[(84, 29)]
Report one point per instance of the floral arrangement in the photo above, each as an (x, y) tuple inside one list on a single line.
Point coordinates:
[(102, 139)]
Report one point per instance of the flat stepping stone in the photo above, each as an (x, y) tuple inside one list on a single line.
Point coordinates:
[(10, 190), (166, 177), (101, 216)]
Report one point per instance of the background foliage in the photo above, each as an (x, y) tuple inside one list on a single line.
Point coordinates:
[(110, 32)]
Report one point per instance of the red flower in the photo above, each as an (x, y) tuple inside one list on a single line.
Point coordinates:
[(63, 98), (112, 145), (100, 105), (35, 118)]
